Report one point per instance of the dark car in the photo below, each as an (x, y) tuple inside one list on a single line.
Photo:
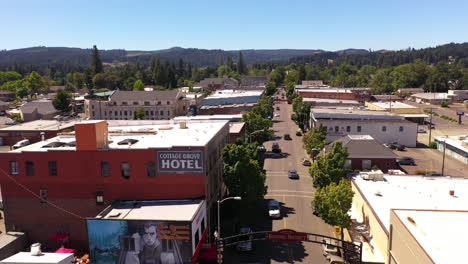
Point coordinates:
[(275, 148), (292, 174), (405, 161), (261, 148), (433, 174), (397, 146), (287, 137), (277, 108)]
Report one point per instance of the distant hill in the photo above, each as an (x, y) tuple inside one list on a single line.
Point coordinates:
[(76, 57)]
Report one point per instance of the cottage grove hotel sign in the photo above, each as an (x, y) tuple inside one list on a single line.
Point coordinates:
[(175, 161)]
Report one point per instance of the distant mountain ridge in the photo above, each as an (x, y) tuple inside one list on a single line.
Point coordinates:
[(203, 57)]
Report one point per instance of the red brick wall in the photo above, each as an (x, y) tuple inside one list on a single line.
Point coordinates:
[(339, 96), (34, 137), (383, 164)]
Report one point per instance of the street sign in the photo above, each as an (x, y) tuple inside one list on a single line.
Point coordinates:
[(460, 113), (337, 230), (287, 235)]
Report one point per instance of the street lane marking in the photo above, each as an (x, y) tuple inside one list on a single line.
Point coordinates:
[(290, 191), (284, 218)]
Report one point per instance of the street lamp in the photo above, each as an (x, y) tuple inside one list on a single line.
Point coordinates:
[(218, 232)]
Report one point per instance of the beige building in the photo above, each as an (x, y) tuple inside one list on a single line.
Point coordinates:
[(427, 236), (122, 105), (374, 200), (393, 107)]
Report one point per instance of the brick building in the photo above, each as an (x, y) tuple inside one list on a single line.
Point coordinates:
[(359, 94), (82, 173)]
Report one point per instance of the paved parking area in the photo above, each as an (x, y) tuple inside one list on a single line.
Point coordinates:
[(430, 160)]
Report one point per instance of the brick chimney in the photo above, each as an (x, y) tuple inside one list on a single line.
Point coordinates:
[(91, 135)]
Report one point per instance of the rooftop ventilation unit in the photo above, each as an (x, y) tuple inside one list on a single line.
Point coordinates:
[(128, 141)]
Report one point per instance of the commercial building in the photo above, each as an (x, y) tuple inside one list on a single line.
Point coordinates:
[(461, 95), (386, 98), (359, 94), (40, 109), (218, 83), (236, 127), (454, 146), (324, 102), (364, 153), (394, 107), (384, 127), (433, 98), (35, 131), (122, 105), (253, 82), (148, 232), (314, 83), (382, 230), (228, 102), (4, 106), (7, 96), (42, 258), (405, 91), (53, 186)]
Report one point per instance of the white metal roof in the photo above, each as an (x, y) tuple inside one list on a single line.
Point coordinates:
[(388, 105), (441, 234), (176, 210), (26, 257), (413, 192)]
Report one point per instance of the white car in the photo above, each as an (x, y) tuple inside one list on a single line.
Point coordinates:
[(277, 115), (329, 250), (421, 130), (274, 209)]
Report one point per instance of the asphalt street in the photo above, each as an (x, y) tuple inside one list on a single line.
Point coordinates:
[(295, 197)]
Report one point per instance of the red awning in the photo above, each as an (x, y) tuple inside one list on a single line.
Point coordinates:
[(208, 252), (60, 237), (199, 247), (65, 250)]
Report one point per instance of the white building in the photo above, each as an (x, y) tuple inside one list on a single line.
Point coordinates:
[(374, 206), (455, 147), (232, 97), (384, 127)]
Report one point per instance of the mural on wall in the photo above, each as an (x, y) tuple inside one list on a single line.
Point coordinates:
[(139, 242)]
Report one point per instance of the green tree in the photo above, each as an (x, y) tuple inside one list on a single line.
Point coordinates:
[(330, 167), (270, 88), (9, 76), (314, 141), (264, 107), (243, 175), (96, 63), (257, 127), (34, 82), (21, 92), (138, 86), (241, 69), (140, 114), (223, 70), (332, 203), (62, 101)]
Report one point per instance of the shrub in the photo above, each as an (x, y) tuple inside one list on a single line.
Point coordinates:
[(433, 145), (444, 104), (423, 172)]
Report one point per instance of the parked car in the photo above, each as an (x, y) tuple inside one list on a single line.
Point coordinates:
[(299, 132), (277, 115), (246, 245), (433, 174), (397, 146), (275, 148), (274, 209), (405, 161), (292, 174), (21, 143), (306, 162), (287, 137), (277, 108), (261, 148), (421, 130), (10, 122)]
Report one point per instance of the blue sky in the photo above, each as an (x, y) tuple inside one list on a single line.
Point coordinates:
[(235, 24)]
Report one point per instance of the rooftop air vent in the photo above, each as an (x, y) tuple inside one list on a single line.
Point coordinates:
[(128, 141)]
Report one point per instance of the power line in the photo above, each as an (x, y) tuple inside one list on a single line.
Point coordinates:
[(40, 198)]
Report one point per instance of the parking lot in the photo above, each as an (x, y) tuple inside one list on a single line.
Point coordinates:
[(430, 160)]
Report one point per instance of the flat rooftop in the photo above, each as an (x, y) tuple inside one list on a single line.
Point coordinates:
[(234, 93), (444, 244), (353, 114), (394, 105), (459, 142), (42, 125), (175, 210), (26, 257), (149, 134), (236, 127), (209, 117), (324, 90), (413, 192), (432, 96), (330, 101)]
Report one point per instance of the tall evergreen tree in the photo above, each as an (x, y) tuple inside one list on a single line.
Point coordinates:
[(96, 63), (241, 69)]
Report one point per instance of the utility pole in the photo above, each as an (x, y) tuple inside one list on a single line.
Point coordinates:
[(443, 157)]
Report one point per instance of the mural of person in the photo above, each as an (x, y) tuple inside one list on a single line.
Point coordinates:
[(151, 246)]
